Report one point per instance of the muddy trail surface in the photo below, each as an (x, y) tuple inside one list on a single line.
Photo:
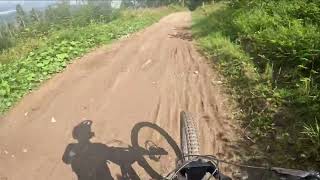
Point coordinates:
[(132, 93)]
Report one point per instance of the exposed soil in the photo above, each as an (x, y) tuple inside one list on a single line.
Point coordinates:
[(144, 82)]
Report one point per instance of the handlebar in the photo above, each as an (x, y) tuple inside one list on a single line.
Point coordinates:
[(288, 173), (302, 175)]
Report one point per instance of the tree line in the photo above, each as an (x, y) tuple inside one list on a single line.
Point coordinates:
[(39, 23)]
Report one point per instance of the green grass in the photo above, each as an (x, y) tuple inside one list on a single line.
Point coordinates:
[(35, 60), (268, 57)]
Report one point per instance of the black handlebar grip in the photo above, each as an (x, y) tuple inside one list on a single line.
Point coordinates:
[(314, 176)]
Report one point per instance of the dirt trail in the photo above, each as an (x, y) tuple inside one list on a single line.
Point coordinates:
[(149, 77)]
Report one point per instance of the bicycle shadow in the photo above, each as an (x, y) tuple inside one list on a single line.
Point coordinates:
[(89, 160)]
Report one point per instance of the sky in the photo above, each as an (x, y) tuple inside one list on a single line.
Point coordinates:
[(9, 6)]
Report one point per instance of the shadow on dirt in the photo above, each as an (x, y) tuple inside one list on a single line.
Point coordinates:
[(89, 161)]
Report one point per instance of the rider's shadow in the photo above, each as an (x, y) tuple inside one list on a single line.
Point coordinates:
[(89, 161)]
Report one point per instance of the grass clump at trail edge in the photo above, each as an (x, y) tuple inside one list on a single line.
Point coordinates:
[(269, 52)]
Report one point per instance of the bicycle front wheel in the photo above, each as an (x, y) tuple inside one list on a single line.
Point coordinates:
[(189, 142)]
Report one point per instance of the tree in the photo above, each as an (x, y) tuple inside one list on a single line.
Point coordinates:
[(34, 15), (182, 2), (59, 14), (21, 16)]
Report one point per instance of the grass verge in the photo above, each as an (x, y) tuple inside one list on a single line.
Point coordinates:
[(270, 113)]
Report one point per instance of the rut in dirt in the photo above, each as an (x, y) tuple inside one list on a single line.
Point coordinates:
[(148, 78)]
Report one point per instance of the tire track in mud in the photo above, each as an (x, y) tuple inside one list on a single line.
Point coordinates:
[(149, 77)]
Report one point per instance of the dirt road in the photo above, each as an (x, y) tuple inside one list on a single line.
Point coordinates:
[(148, 77)]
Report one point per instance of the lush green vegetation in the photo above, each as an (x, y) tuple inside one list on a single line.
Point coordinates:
[(270, 53), (38, 23), (43, 48)]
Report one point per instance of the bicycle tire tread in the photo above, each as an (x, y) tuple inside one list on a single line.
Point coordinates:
[(191, 146)]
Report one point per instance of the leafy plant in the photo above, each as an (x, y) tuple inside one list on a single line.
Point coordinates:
[(312, 131)]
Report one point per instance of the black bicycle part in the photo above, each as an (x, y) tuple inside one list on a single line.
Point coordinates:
[(189, 136), (197, 166)]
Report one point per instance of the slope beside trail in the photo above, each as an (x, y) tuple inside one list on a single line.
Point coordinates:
[(149, 77)]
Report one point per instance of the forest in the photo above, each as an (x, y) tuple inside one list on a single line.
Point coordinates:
[(37, 22)]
